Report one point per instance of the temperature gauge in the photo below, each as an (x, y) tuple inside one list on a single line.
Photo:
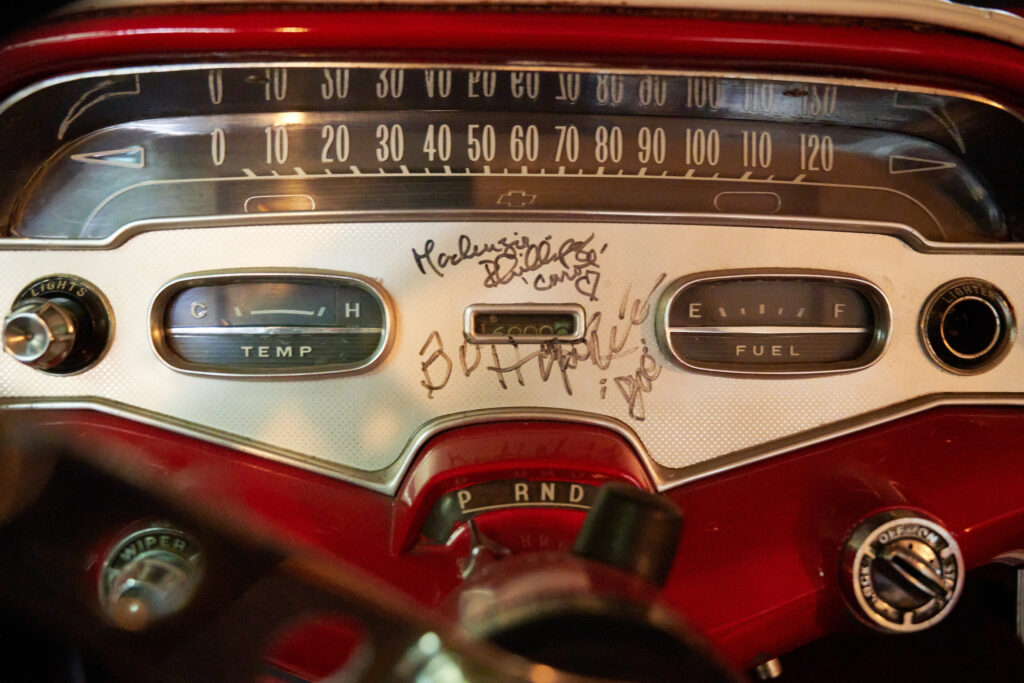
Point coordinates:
[(256, 324)]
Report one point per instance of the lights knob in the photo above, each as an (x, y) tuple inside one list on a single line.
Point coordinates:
[(40, 332), (150, 575), (902, 572), (58, 324)]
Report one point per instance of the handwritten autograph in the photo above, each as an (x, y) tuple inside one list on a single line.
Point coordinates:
[(558, 358), (515, 257)]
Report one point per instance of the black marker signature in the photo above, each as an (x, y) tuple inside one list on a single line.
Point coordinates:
[(573, 257), (467, 250), (634, 386), (514, 257), (425, 366), (596, 348), (602, 344)]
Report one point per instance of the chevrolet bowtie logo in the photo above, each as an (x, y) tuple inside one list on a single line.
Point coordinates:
[(516, 199)]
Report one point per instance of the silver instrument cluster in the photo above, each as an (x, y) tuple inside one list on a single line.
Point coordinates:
[(719, 266)]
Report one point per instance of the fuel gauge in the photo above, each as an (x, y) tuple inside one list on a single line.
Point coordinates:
[(256, 324), (770, 322)]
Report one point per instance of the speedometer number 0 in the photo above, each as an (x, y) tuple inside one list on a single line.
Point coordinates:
[(218, 146)]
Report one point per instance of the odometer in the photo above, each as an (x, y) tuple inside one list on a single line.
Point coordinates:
[(524, 323)]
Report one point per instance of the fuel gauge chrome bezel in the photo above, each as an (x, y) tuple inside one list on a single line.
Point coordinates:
[(168, 357), (880, 307)]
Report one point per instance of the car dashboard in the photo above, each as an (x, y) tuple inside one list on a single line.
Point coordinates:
[(408, 287)]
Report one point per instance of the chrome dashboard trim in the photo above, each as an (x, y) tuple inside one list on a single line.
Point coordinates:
[(387, 480), (835, 430), (900, 231)]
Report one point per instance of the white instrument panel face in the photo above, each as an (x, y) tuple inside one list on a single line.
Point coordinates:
[(358, 424)]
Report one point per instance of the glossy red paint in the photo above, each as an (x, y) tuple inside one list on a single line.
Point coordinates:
[(527, 451), (867, 48), (766, 538), (757, 566), (314, 649)]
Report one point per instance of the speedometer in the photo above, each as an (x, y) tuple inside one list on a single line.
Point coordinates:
[(166, 147)]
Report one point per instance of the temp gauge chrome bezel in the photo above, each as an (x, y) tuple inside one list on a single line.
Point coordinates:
[(880, 305), (170, 359)]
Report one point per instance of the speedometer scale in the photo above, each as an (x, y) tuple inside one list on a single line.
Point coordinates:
[(296, 141)]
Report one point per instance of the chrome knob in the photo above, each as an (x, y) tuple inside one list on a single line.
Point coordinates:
[(150, 575), (903, 572), (40, 333), (59, 324)]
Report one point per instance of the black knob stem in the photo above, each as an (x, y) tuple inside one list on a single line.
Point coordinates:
[(633, 530)]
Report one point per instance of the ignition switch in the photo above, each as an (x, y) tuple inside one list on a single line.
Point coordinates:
[(902, 572)]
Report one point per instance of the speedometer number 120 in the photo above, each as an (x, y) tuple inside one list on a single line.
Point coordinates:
[(817, 152)]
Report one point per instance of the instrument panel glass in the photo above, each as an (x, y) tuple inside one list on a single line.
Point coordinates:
[(162, 147)]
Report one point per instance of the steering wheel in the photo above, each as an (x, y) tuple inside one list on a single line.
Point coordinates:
[(214, 619)]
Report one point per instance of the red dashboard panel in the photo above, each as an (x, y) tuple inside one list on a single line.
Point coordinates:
[(758, 564)]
